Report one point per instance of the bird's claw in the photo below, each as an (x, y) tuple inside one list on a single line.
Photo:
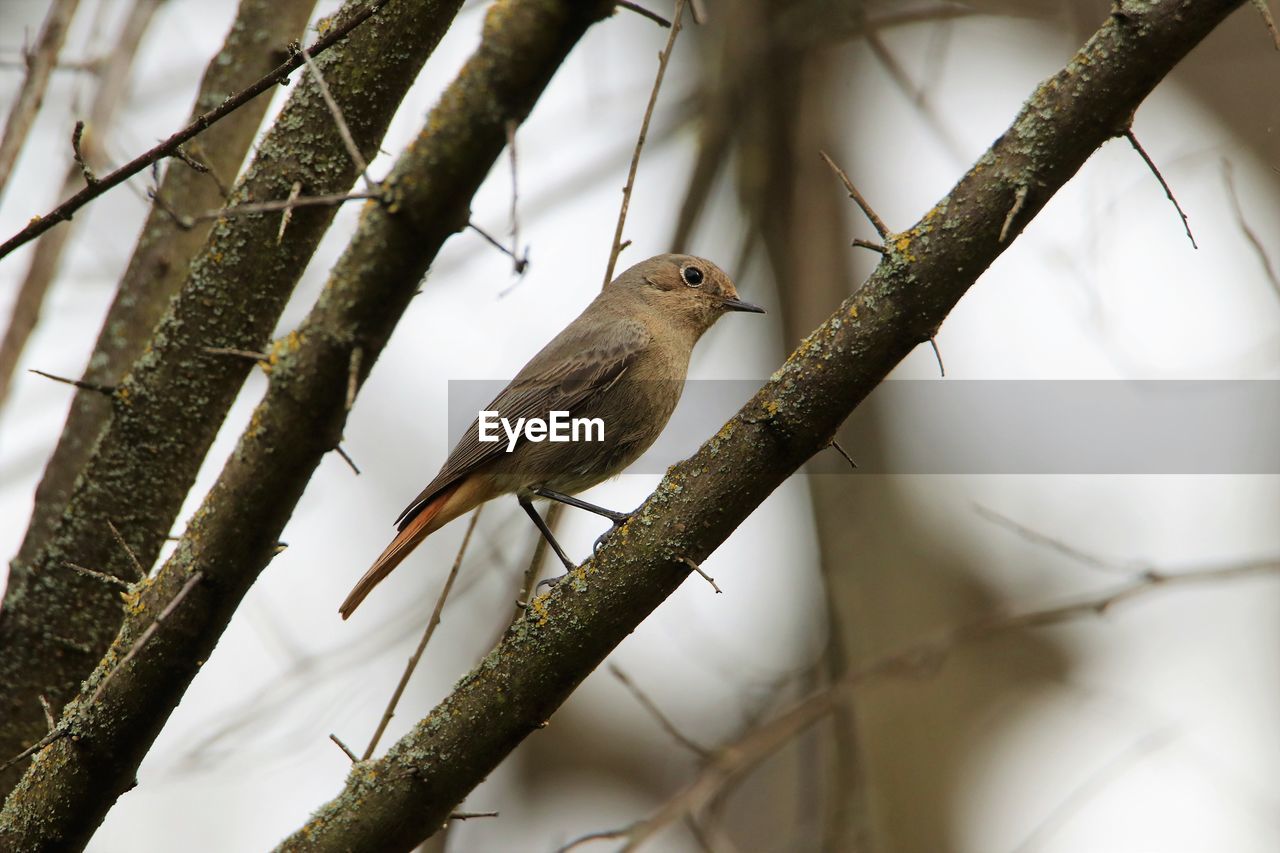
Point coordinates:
[(617, 522)]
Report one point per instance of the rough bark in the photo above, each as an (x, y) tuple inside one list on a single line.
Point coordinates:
[(396, 801), (56, 625), (75, 779)]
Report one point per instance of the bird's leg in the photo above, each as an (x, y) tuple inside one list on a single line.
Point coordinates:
[(528, 507), (614, 516), (618, 518)]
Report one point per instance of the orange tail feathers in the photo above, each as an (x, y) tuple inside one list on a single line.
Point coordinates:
[(406, 540)]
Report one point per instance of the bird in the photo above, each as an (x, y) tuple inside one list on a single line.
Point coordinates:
[(623, 360)]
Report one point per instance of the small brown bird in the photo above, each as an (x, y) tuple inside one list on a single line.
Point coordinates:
[(623, 361)]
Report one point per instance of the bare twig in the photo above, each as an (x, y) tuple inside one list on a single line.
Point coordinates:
[(1019, 200), (111, 580), (68, 208), (1092, 561), (706, 577), (933, 342), (470, 815), (108, 390), (663, 58), (876, 221), (339, 121), (346, 458), (1228, 177), (519, 259), (345, 749), (664, 721), (1261, 6), (124, 546), (34, 748), (203, 168), (48, 713), (733, 759), (1146, 158), (39, 64), (146, 635), (76, 134), (643, 12), (520, 264), (869, 244), (426, 638), (252, 355), (288, 205), (847, 458)]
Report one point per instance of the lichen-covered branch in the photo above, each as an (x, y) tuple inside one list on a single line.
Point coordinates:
[(71, 783), (259, 35), (56, 625), (396, 801)]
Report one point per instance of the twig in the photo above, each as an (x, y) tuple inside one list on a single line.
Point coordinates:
[(1142, 152), (108, 390), (34, 748), (426, 638), (1261, 6), (97, 575), (601, 835), (39, 64), (1250, 235), (520, 260), (470, 815), (252, 355), (133, 558), (48, 713), (77, 132), (188, 221), (339, 121), (345, 749), (519, 263), (731, 760), (68, 208), (847, 458), (346, 458), (295, 192), (1019, 200), (933, 342), (146, 635), (652, 707), (706, 577), (663, 58), (203, 168), (876, 221), (1092, 561), (869, 244), (643, 12)]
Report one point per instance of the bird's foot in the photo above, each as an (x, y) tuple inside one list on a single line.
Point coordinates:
[(622, 519)]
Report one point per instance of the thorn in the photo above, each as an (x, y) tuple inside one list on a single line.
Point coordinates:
[(933, 342), (133, 558), (870, 244), (1137, 146), (876, 221), (706, 577), (1019, 199), (108, 390), (345, 458), (836, 445), (97, 575), (644, 13), (346, 750)]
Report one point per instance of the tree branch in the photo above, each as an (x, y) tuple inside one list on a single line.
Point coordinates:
[(70, 786), (396, 801), (167, 410)]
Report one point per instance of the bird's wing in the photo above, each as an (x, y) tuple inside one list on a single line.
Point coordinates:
[(550, 381)]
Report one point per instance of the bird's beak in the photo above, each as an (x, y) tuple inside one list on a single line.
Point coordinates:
[(739, 305)]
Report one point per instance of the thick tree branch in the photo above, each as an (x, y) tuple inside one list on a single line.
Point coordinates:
[(394, 802), (71, 784), (167, 410)]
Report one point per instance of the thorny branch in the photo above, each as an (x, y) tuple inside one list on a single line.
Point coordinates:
[(169, 147)]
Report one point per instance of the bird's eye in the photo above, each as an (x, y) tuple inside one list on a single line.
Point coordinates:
[(692, 276)]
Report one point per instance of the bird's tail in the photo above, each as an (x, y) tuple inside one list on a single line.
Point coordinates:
[(404, 543)]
